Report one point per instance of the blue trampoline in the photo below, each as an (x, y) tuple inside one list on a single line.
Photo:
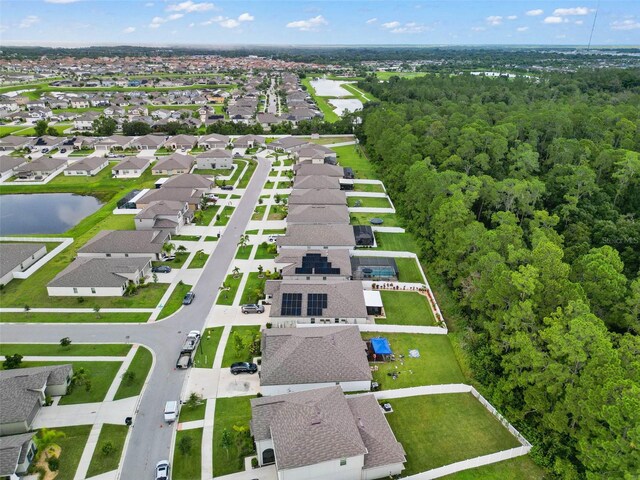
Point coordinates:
[(381, 346)]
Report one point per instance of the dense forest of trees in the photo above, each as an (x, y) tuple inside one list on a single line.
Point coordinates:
[(525, 198)]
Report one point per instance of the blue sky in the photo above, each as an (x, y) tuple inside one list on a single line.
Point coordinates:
[(201, 22)]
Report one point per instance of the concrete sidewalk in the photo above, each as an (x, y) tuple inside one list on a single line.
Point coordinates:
[(70, 358), (113, 389), (87, 453)]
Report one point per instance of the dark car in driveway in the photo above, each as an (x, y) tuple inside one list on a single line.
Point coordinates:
[(243, 367), (161, 269), (188, 298), (226, 187)]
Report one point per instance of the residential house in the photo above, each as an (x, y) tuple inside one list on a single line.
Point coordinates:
[(308, 169), (114, 142), (214, 159), (164, 215), (317, 197), (182, 142), (88, 166), (8, 164), (18, 257), (99, 277), (85, 121), (79, 102), (268, 119), (40, 168), (174, 164), (147, 142), (326, 237), (324, 435), (138, 111), (313, 265), (23, 392), (316, 181), (249, 141), (189, 180), (214, 140), (14, 142), (114, 111), (131, 167), (288, 144), (190, 196), (318, 214), (126, 243), (299, 359), (47, 141), (81, 142), (16, 454), (318, 154)]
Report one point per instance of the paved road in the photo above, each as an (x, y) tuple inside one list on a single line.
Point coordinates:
[(151, 437)]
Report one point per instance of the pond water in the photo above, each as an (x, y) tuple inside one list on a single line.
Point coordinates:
[(329, 88), (44, 212), (343, 105)]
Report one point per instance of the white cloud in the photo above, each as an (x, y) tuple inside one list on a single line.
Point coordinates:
[(478, 29), (310, 25), (555, 20), (535, 13), (512, 17), (61, 1), (246, 17), (390, 25), (189, 7), (561, 12), (579, 22), (494, 20), (227, 22), (371, 20), (129, 30), (29, 21), (409, 27), (157, 21), (522, 29), (230, 23), (629, 24)]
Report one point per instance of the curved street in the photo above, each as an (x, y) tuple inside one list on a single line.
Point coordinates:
[(151, 438)]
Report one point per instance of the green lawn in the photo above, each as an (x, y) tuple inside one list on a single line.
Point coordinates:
[(364, 97), (246, 177), (251, 232), (210, 239), (72, 446), (437, 363), (9, 129), (101, 463), (272, 173), (140, 366), (208, 347), (199, 259), (268, 184), (520, 468), (277, 212), (225, 215), (251, 288), (229, 412), (353, 156), (175, 300), (243, 253), (282, 185), (240, 164), (368, 187), (206, 216), (88, 317), (187, 466), (230, 354), (73, 350), (274, 231), (408, 270), (185, 238), (226, 297), (437, 430), (266, 251), (188, 414), (258, 213), (329, 140), (389, 219), (369, 202), (396, 242), (406, 308)]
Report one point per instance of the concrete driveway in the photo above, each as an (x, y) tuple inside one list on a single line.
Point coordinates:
[(237, 385)]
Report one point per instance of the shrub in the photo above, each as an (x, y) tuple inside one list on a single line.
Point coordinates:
[(185, 444), (254, 462), (128, 377), (54, 463), (108, 448)]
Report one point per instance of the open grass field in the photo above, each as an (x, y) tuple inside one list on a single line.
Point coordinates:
[(175, 300), (353, 156), (437, 364), (369, 202), (408, 270), (437, 430), (73, 350), (406, 308), (389, 219), (229, 412), (520, 468), (396, 242), (248, 333), (140, 366), (330, 140), (72, 445), (187, 466), (86, 317), (101, 463), (226, 296), (199, 260), (11, 129), (388, 75), (208, 347), (364, 97)]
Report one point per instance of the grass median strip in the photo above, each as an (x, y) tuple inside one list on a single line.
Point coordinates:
[(231, 412), (199, 259), (73, 350), (109, 449), (84, 317), (246, 177), (190, 414), (175, 300), (208, 347), (136, 374)]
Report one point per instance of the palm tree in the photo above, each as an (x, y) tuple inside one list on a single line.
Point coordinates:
[(260, 270), (47, 438), (236, 272), (168, 248), (224, 287), (244, 241)]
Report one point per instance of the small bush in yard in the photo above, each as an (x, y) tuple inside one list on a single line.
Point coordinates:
[(54, 463)]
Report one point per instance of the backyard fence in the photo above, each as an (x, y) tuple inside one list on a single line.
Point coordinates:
[(64, 243)]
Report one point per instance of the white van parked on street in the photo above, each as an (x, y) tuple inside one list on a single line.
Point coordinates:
[(171, 411)]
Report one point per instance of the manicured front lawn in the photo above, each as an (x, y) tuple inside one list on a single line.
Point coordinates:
[(185, 238), (178, 262), (243, 253), (199, 259), (269, 184), (72, 445), (389, 219), (188, 414), (246, 177), (277, 212), (87, 317), (229, 412), (266, 251), (101, 463), (175, 300), (284, 185), (437, 364), (248, 333), (406, 308), (252, 287), (368, 202), (408, 270), (225, 215), (274, 231), (520, 468), (73, 350), (437, 430), (208, 347), (207, 215), (210, 239), (353, 156), (258, 213), (140, 366), (368, 187), (188, 466), (225, 297), (397, 242)]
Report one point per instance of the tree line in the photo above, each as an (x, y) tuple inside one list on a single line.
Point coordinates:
[(524, 195)]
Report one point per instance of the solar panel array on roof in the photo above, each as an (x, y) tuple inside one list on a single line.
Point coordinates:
[(291, 304), (316, 302), (316, 264)]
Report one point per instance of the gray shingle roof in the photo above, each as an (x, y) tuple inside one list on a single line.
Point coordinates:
[(186, 140), (131, 163), (19, 389), (11, 452), (14, 141), (8, 162), (174, 161), (318, 214), (288, 142), (214, 138), (126, 241), (42, 164), (305, 169), (153, 141), (88, 164), (13, 254), (318, 235), (316, 181), (189, 195), (345, 299), (307, 427), (292, 258), (317, 196), (313, 355), (162, 207), (188, 180), (98, 272), (216, 153)]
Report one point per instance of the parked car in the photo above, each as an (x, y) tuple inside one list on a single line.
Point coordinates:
[(188, 298), (64, 150), (162, 470), (252, 308), (243, 367), (226, 187), (168, 258), (45, 150), (161, 269), (170, 411)]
